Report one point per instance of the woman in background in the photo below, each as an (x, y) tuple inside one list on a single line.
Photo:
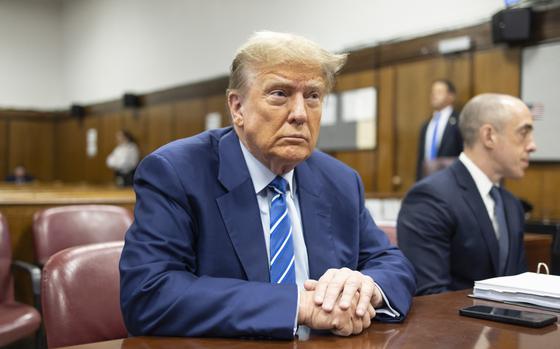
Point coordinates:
[(124, 158)]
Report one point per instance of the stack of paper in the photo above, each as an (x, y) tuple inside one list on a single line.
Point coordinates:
[(530, 288)]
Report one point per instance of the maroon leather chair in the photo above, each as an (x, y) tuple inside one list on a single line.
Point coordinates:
[(57, 228), (17, 320), (80, 295)]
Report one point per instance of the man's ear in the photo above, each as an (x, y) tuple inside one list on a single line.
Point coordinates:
[(235, 104), (488, 136)]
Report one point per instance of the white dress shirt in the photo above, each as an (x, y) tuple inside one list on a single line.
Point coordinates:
[(484, 185)]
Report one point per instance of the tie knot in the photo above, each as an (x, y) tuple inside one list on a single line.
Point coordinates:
[(495, 194), (279, 185)]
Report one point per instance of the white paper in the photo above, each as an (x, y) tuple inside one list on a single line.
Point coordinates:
[(359, 104)]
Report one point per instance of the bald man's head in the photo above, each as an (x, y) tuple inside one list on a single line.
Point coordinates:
[(489, 108)]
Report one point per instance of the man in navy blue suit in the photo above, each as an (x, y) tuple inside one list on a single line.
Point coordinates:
[(459, 225), (249, 231), (440, 139)]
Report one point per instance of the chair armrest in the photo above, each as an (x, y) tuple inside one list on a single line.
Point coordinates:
[(35, 276)]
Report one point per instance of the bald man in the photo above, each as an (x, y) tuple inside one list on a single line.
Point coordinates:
[(460, 225)]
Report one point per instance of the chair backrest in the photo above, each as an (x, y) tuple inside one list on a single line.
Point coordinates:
[(80, 295), (6, 279), (57, 228)]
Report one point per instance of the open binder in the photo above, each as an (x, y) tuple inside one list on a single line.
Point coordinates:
[(540, 290)]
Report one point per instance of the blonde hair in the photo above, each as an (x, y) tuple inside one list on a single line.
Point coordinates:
[(268, 49)]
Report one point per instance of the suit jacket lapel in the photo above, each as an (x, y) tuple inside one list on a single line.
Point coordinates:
[(240, 210), (445, 138), (315, 211), (474, 201)]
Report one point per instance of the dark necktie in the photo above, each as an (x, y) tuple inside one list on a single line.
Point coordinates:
[(282, 267), (503, 235)]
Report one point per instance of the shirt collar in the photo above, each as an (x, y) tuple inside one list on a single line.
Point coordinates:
[(483, 183), (261, 175), (444, 113)]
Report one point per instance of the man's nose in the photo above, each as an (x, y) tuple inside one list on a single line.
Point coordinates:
[(532, 146), (298, 113)]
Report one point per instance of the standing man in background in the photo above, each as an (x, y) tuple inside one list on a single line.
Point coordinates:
[(249, 231), (439, 137), (459, 225)]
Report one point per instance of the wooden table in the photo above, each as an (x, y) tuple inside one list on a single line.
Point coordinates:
[(433, 322)]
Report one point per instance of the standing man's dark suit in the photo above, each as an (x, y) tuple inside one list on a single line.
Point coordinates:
[(451, 144), (444, 229)]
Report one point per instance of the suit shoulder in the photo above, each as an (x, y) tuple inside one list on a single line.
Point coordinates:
[(329, 165), (196, 145), (441, 183)]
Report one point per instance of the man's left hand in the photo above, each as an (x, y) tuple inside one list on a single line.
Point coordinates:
[(344, 283)]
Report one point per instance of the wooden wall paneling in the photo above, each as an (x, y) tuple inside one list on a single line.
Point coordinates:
[(551, 192), (529, 188), (189, 117), (413, 84), (386, 136), (497, 70), (217, 103), (159, 126), (93, 165), (132, 122), (70, 150), (4, 169), (351, 81), (459, 71), (31, 144), (363, 161), (541, 187), (109, 125)]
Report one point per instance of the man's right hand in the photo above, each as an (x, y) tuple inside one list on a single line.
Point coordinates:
[(340, 322)]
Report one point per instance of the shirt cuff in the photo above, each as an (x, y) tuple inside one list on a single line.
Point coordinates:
[(387, 309)]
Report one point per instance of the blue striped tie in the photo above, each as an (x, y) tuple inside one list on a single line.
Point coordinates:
[(282, 268)]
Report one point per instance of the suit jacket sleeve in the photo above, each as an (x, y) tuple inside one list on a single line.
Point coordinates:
[(425, 228), (386, 264), (421, 151), (161, 293)]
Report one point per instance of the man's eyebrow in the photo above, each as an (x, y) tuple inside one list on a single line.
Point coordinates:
[(525, 127)]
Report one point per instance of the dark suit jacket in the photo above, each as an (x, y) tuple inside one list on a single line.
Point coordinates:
[(195, 263), (451, 142), (444, 229)]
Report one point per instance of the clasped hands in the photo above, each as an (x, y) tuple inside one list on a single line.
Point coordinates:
[(342, 301)]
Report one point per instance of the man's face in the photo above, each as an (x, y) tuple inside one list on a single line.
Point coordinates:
[(440, 96), (514, 143), (278, 117)]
